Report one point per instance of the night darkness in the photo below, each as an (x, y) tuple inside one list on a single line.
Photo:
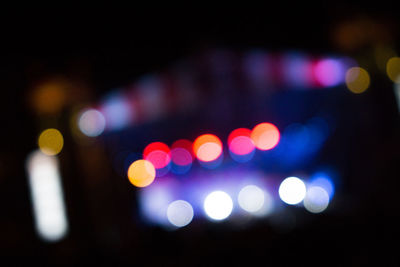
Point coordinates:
[(90, 55)]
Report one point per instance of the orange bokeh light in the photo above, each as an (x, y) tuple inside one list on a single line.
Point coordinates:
[(141, 173), (207, 147), (265, 136)]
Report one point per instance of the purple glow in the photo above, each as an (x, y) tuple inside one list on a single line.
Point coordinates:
[(329, 72), (298, 71)]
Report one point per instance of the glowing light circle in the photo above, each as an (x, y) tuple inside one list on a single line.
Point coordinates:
[(316, 200), (329, 72), (141, 173), (181, 156), (158, 154), (218, 205), (207, 147), (180, 213), (251, 198), (51, 142), (357, 80), (265, 136), (91, 122), (292, 190)]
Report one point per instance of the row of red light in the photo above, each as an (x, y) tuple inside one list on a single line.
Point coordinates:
[(208, 147)]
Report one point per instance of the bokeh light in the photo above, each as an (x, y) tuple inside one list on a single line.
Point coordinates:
[(118, 111), (180, 213), (251, 198), (298, 70), (268, 207), (316, 199), (91, 122), (218, 205), (51, 141), (181, 156), (292, 190), (323, 181), (239, 141), (265, 136), (183, 143), (207, 147), (393, 69), (357, 80), (181, 160), (158, 154), (329, 72), (49, 97), (45, 184), (141, 173)]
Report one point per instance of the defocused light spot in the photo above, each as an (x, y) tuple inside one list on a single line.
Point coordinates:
[(268, 207), (212, 164), (298, 70), (316, 200), (329, 72), (265, 136), (181, 156), (183, 143), (180, 213), (118, 112), (382, 54), (393, 69), (51, 141), (49, 97), (397, 94), (218, 205), (154, 201), (324, 182), (91, 122), (292, 190), (158, 154), (251, 198), (47, 196), (207, 147), (357, 80), (141, 173), (239, 141)]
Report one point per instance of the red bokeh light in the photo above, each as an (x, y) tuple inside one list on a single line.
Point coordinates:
[(158, 154)]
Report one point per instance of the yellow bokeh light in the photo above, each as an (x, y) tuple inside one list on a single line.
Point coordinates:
[(393, 69), (357, 80), (51, 142), (141, 173)]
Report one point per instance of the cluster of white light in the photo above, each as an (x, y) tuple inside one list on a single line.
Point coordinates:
[(254, 200)]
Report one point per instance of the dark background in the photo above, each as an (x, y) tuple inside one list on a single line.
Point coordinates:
[(110, 48)]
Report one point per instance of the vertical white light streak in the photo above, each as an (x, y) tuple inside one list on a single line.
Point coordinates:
[(47, 196), (397, 93)]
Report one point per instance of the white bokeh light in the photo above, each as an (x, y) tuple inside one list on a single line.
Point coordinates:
[(292, 190), (180, 213), (316, 200), (251, 198), (47, 196), (218, 205), (268, 206), (91, 122)]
